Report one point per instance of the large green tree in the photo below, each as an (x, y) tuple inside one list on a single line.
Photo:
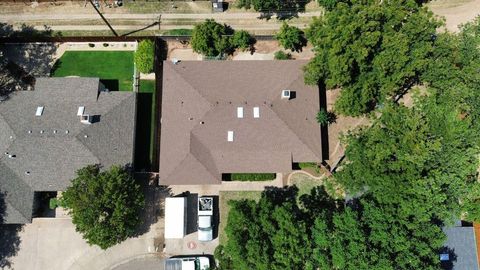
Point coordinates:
[(372, 49), (318, 232), (209, 38), (104, 205)]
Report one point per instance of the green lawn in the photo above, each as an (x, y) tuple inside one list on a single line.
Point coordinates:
[(226, 196), (114, 68)]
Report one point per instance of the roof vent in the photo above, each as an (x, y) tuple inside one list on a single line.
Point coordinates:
[(27, 172), (29, 132), (11, 137), (66, 131), (286, 94), (85, 136), (39, 111), (256, 112), (239, 112), (81, 111), (12, 156), (41, 131), (175, 61), (444, 257), (54, 131), (86, 119), (230, 136)]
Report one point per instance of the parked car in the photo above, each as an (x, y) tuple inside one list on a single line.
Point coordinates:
[(187, 263), (205, 230)]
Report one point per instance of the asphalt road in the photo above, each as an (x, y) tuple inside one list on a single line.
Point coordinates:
[(148, 263)]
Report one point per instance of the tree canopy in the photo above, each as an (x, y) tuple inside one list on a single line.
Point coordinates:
[(104, 205), (242, 39), (143, 56), (209, 38), (314, 231), (291, 37), (371, 49), (278, 6)]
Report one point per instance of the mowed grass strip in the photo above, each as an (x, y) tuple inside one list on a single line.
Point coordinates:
[(106, 65)]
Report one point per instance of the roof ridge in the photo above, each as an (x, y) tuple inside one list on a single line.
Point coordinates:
[(88, 127), (208, 152), (292, 131), (191, 86)]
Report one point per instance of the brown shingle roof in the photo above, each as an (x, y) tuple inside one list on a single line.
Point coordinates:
[(200, 101)]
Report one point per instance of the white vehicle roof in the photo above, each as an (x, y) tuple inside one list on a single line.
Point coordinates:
[(175, 217), (204, 221)]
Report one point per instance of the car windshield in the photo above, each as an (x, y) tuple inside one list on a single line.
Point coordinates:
[(197, 264)]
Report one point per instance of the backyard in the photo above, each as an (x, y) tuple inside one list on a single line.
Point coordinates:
[(114, 68)]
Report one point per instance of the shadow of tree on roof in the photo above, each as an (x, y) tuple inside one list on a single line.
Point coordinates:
[(9, 238)]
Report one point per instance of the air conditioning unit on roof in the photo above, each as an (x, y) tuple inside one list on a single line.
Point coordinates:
[(285, 94)]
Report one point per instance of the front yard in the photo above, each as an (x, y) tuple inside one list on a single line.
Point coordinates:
[(226, 196), (114, 68)]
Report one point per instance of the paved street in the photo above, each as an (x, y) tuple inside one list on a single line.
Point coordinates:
[(146, 263)]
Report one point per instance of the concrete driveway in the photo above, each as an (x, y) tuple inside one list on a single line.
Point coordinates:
[(54, 244)]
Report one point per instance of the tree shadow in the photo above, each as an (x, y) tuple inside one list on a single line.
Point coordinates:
[(9, 238), (36, 59), (449, 257), (154, 201)]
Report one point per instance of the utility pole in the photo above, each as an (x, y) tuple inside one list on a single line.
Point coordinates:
[(103, 18)]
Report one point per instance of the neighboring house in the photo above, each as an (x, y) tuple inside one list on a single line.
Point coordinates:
[(221, 117), (46, 135), (460, 250)]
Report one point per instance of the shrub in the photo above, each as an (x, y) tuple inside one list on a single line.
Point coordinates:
[(105, 44), (91, 45), (291, 37), (144, 56), (281, 55), (252, 176), (242, 39), (326, 118), (208, 38)]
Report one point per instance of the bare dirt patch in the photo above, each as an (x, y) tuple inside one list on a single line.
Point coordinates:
[(456, 12)]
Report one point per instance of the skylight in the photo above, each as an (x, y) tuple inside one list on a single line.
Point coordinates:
[(239, 112), (39, 111), (256, 112), (230, 136)]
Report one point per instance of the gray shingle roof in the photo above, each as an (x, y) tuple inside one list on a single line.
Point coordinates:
[(199, 107), (53, 146), (462, 246)]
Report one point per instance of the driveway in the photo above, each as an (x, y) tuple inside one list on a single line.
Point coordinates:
[(54, 244)]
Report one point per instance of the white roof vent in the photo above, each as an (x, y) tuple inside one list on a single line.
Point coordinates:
[(256, 112), (239, 112), (230, 136), (286, 94), (86, 119), (80, 111), (175, 61), (39, 111)]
